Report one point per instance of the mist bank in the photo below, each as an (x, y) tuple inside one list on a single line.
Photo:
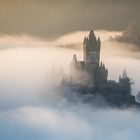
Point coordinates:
[(53, 123), (31, 109)]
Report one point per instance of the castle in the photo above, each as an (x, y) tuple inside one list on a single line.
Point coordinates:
[(90, 76)]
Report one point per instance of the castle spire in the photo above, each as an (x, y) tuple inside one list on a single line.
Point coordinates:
[(91, 34), (124, 74)]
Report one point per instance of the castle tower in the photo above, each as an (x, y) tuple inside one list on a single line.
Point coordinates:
[(89, 71), (91, 49)]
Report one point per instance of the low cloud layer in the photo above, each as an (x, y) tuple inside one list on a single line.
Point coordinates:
[(30, 109), (72, 124)]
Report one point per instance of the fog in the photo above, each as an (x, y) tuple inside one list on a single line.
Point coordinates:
[(30, 108), (57, 123)]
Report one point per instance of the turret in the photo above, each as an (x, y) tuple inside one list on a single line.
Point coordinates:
[(74, 58), (124, 77), (99, 41), (125, 83)]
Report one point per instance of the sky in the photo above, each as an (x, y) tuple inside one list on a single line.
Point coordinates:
[(52, 18), (38, 35)]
